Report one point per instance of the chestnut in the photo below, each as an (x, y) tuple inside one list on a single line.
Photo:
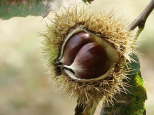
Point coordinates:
[(92, 60), (73, 46), (88, 53), (85, 56)]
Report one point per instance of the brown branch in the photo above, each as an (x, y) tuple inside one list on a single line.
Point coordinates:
[(141, 19)]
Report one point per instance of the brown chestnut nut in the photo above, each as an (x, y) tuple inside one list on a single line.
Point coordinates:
[(90, 62), (73, 45)]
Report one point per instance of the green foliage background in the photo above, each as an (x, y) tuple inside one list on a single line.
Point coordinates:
[(11, 2), (12, 8)]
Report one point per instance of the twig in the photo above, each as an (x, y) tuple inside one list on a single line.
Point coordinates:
[(141, 19)]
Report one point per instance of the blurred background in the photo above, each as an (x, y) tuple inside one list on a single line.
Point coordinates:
[(25, 86)]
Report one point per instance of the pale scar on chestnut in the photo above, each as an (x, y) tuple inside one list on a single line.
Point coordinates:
[(84, 56)]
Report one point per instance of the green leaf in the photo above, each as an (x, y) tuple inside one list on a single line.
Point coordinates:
[(134, 65)]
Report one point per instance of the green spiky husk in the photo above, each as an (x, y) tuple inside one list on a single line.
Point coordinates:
[(115, 33)]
